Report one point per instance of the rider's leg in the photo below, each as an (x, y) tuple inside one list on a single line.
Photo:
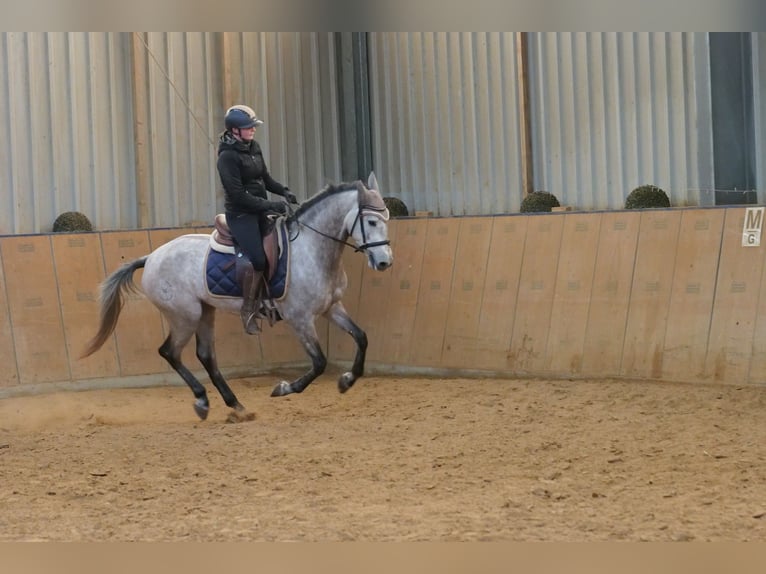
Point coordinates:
[(246, 230)]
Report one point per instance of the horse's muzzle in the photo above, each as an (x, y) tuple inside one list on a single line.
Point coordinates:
[(382, 262)]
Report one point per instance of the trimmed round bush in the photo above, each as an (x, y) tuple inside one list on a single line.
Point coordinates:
[(539, 201), (647, 196), (396, 207), (72, 221)]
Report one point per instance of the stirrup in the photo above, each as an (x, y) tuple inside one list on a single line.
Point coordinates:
[(251, 323)]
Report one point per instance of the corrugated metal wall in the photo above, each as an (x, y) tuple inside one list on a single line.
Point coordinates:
[(65, 119), (612, 111), (445, 120), (83, 136), (609, 112), (177, 99), (189, 81)]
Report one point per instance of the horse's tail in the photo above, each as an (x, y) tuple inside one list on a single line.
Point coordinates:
[(112, 302)]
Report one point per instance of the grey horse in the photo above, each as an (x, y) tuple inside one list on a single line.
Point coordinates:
[(319, 230)]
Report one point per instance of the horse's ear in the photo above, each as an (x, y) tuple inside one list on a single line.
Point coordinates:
[(370, 199), (372, 182)]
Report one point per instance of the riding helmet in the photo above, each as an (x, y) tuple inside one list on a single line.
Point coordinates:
[(241, 117)]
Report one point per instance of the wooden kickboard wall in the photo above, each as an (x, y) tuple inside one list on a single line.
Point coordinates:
[(656, 294)]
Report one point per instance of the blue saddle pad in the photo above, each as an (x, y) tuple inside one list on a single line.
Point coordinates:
[(221, 272)]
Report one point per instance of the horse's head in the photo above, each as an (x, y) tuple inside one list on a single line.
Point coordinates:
[(367, 225)]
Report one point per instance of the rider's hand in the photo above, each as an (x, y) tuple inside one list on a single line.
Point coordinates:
[(290, 197), (275, 206)]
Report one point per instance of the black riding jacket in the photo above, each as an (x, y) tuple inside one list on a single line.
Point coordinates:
[(244, 176)]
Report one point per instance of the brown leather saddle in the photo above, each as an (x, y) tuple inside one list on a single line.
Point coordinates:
[(222, 236)]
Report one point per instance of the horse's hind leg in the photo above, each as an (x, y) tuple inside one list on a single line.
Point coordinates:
[(307, 334), (339, 316), (206, 356), (171, 351)]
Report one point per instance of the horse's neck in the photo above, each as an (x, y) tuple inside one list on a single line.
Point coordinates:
[(330, 221)]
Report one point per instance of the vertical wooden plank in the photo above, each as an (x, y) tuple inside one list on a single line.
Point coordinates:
[(738, 285), (35, 309), (527, 159), (139, 332), (610, 293), (650, 294), (501, 286), (691, 299), (461, 337), (409, 248), (9, 374), (79, 265), (571, 302), (536, 290), (141, 137), (226, 56), (757, 372), (434, 293), (279, 345)]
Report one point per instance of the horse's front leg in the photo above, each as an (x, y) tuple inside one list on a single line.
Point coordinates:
[(307, 335), (339, 316)]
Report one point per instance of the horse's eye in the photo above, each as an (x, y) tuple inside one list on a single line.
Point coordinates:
[(372, 223)]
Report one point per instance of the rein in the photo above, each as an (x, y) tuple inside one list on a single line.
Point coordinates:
[(365, 245)]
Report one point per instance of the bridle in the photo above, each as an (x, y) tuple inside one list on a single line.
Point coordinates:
[(361, 211), (370, 210)]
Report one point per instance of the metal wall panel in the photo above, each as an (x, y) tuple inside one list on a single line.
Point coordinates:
[(302, 110), (124, 126), (65, 121), (178, 80), (445, 120), (612, 111), (609, 112), (288, 78)]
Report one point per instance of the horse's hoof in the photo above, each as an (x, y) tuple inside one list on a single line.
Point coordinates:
[(346, 381), (282, 389), (202, 410), (240, 416)]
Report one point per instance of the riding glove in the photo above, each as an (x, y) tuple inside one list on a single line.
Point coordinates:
[(275, 206), (290, 196)]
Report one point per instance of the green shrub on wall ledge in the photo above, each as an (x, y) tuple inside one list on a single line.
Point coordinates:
[(72, 221), (647, 196), (539, 201), (396, 207)]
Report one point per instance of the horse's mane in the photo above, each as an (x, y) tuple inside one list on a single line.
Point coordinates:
[(327, 191)]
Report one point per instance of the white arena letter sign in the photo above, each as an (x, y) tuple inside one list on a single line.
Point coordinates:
[(751, 234)]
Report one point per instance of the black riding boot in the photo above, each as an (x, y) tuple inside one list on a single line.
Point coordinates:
[(251, 300)]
